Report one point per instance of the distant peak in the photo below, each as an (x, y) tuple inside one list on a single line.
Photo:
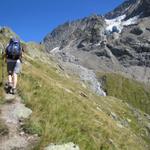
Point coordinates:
[(131, 8)]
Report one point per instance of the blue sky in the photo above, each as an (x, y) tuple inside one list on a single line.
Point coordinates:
[(33, 19)]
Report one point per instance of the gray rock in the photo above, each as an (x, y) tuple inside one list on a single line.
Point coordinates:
[(131, 8), (68, 146), (114, 116), (21, 111), (16, 111), (137, 31)]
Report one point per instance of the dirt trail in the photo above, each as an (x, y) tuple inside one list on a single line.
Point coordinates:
[(12, 112)]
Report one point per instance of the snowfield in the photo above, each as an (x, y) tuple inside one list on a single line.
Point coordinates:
[(119, 23)]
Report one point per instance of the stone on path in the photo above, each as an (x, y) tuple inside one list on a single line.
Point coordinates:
[(68, 146)]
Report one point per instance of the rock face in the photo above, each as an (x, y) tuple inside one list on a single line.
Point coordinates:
[(131, 8), (118, 42), (76, 29)]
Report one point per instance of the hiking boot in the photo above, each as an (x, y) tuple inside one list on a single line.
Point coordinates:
[(13, 91), (8, 87)]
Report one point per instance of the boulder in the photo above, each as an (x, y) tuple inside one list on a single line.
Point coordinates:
[(68, 146), (137, 31)]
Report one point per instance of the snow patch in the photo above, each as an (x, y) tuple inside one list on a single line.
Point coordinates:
[(114, 22), (119, 23), (55, 50), (130, 21)]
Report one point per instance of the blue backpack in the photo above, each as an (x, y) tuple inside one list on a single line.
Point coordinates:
[(14, 50)]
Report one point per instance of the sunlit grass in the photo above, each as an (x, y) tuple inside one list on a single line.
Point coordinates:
[(60, 116), (131, 91)]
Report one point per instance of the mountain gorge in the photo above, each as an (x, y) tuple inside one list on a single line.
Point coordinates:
[(87, 83)]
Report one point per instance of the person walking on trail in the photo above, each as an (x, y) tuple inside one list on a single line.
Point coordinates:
[(13, 55)]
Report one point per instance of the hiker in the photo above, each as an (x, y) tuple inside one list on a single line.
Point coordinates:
[(13, 55)]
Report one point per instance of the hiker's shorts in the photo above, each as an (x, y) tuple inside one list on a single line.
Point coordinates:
[(13, 66)]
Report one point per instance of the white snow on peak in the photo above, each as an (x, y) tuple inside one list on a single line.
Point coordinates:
[(130, 21), (114, 22), (119, 23)]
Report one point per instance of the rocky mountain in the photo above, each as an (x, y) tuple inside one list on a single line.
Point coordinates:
[(73, 30), (118, 42), (131, 8)]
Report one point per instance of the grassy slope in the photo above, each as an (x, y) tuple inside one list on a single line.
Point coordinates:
[(1, 91), (61, 114), (126, 89), (3, 128)]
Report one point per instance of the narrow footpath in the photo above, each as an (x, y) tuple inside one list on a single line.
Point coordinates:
[(12, 113)]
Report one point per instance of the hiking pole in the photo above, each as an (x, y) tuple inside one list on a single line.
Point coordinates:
[(2, 83)]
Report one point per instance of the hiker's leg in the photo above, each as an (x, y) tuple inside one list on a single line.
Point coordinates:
[(15, 79), (10, 78), (10, 72), (17, 70)]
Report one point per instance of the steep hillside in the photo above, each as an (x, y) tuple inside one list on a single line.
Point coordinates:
[(65, 110), (135, 93)]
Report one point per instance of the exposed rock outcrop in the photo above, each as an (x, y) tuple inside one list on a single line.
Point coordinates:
[(68, 146), (131, 8)]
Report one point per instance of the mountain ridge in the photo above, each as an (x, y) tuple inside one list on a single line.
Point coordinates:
[(131, 8)]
